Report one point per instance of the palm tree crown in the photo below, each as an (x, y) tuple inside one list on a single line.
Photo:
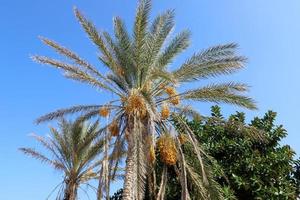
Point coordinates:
[(147, 101), (73, 148)]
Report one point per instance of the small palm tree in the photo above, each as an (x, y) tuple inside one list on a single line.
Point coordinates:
[(73, 148), (146, 100)]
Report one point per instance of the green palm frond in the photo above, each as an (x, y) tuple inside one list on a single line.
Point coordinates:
[(140, 31), (120, 82), (163, 75), (97, 39), (33, 153), (63, 112), (210, 63), (189, 112), (73, 56), (222, 93), (159, 31), (73, 72), (61, 142), (123, 47), (200, 187), (49, 146), (122, 36), (92, 152), (201, 191), (176, 46)]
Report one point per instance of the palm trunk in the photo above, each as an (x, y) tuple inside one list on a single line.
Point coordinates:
[(129, 175), (136, 163), (70, 190), (130, 191)]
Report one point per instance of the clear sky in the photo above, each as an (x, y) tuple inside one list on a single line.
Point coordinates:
[(267, 31)]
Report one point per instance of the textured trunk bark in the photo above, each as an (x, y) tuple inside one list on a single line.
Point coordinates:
[(70, 191), (136, 163), (129, 176)]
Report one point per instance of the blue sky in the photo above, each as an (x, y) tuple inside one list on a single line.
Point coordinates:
[(267, 32)]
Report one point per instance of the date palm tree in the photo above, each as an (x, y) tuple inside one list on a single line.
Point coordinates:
[(73, 150), (147, 98)]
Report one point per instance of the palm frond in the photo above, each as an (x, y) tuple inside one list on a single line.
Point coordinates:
[(163, 24), (183, 176), (72, 55), (163, 75), (159, 31), (116, 156), (243, 130), (196, 147), (124, 51), (89, 135), (188, 111), (140, 29), (73, 72), (33, 153), (78, 129), (57, 64), (176, 46), (119, 82), (195, 179), (211, 191), (97, 39), (222, 93), (123, 38), (67, 111), (210, 63), (89, 115), (163, 184), (219, 51), (62, 145), (93, 151), (49, 146)]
